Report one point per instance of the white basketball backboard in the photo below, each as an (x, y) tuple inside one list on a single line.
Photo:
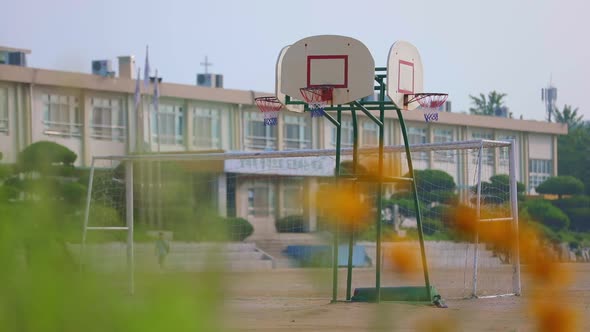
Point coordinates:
[(404, 73), (281, 96), (342, 62)]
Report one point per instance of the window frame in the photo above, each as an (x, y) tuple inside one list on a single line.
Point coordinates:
[(171, 111), (488, 153), (255, 189), (418, 132), (370, 133), (4, 114), (117, 129), (347, 133), (256, 142), (72, 126), (303, 128), (539, 171), (213, 116), (444, 135)]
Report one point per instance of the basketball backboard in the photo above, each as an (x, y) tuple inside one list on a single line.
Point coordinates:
[(280, 95), (342, 62), (404, 73)]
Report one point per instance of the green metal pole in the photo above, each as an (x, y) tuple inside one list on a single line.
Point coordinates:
[(380, 188), (416, 203), (335, 237), (355, 160)]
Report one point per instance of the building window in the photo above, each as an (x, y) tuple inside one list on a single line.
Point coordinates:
[(107, 120), (370, 134), (346, 132), (504, 152), (488, 154), (257, 136), (443, 136), (292, 202), (417, 136), (539, 171), (168, 124), (206, 128), (297, 133), (261, 199), (61, 115), (3, 111)]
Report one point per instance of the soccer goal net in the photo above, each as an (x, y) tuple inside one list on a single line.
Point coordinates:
[(244, 211)]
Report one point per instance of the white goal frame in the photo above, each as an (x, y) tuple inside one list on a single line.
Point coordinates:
[(458, 145)]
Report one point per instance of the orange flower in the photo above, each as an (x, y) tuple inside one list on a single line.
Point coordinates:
[(404, 258), (345, 206), (549, 272), (465, 220), (553, 315)]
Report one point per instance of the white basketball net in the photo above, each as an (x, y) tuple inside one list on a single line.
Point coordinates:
[(317, 108)]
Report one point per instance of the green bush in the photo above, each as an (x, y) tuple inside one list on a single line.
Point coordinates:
[(547, 214), (46, 158), (573, 202), (497, 191), (433, 186), (405, 206), (239, 228), (6, 170), (73, 193), (211, 228), (577, 209), (561, 185), (290, 224), (431, 226)]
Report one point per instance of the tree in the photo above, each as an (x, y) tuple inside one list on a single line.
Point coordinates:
[(577, 208), (433, 185), (568, 116), (574, 153), (42, 167), (497, 190), (47, 158), (547, 214), (561, 185), (487, 106)]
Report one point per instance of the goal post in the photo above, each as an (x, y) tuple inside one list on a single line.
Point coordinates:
[(276, 192)]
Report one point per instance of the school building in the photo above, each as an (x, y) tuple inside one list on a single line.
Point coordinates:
[(94, 115)]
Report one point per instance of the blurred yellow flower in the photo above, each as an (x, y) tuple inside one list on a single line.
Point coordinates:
[(404, 259), (345, 205)]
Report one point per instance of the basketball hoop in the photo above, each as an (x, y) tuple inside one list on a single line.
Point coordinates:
[(270, 107), (317, 97), (429, 103)]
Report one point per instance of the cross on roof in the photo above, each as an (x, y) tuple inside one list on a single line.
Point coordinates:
[(206, 64)]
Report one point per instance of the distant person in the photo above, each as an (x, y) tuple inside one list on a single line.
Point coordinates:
[(162, 249)]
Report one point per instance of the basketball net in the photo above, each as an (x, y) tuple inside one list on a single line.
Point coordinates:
[(317, 109), (317, 98), (270, 107), (430, 103)]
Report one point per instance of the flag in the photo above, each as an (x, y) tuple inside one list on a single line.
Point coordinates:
[(156, 92), (146, 69), (137, 95)]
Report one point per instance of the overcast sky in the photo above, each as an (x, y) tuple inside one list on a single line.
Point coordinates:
[(467, 46)]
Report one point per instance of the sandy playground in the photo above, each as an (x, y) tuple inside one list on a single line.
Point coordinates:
[(299, 300)]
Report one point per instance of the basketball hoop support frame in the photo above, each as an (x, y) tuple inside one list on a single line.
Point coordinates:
[(381, 105)]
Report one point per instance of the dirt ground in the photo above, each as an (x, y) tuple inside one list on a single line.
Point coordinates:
[(299, 300)]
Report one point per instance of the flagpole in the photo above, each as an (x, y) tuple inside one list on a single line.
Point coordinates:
[(157, 108), (138, 115), (156, 102)]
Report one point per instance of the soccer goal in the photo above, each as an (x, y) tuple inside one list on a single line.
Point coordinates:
[(261, 210)]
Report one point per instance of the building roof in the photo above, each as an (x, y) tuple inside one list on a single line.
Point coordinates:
[(12, 49), (246, 97)]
